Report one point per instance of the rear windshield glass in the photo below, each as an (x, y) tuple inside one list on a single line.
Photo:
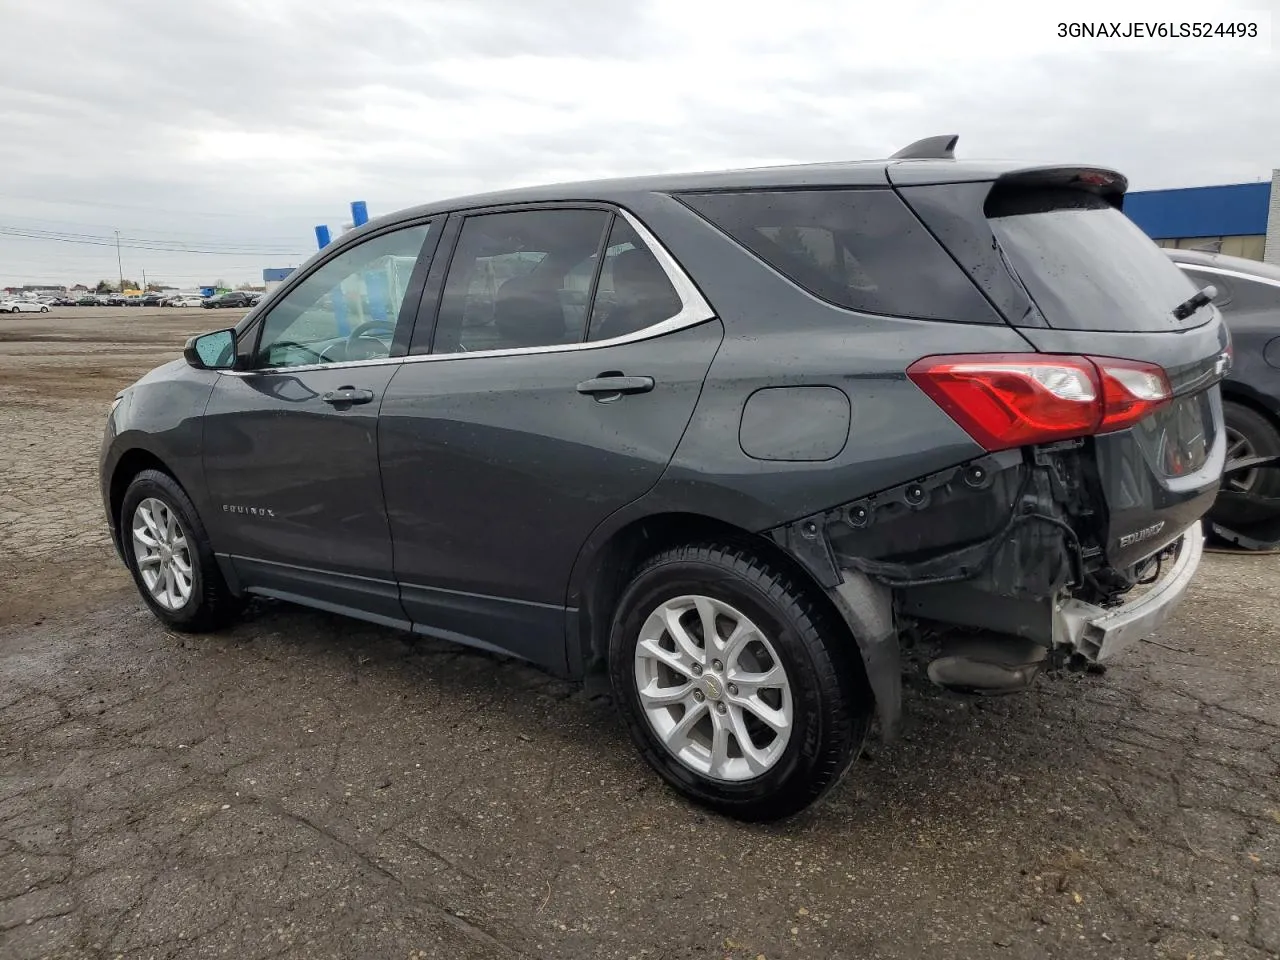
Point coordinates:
[(860, 249), (1086, 264)]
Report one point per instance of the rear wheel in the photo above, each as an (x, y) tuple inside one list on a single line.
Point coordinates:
[(168, 553), (737, 687), (1250, 434)]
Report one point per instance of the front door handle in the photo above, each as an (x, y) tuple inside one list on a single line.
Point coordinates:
[(610, 386), (347, 396)]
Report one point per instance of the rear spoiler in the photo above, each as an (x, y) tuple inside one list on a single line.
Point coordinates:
[(1108, 184), (923, 171)]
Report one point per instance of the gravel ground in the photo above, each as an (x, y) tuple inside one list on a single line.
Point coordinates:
[(307, 786)]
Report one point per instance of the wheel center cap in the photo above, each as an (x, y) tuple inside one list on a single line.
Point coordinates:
[(712, 687), (165, 554)]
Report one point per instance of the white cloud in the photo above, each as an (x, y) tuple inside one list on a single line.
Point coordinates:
[(246, 122)]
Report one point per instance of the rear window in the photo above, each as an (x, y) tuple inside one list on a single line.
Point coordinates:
[(859, 249), (1086, 264)]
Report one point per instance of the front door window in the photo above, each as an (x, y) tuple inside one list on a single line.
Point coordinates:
[(346, 310)]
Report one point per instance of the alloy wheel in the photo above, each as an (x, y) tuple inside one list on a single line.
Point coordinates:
[(162, 553), (713, 688), (1239, 448)]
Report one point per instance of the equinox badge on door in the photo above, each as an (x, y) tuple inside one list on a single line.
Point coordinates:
[(254, 511)]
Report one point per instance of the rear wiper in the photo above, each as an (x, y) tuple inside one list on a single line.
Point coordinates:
[(1195, 302)]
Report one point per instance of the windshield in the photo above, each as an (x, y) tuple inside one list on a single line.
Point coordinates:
[(1087, 265)]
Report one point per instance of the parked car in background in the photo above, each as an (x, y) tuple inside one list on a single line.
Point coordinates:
[(1247, 511), (150, 300), (21, 305), (1248, 294), (235, 298), (88, 301), (63, 302), (184, 301), (998, 414), (116, 300)]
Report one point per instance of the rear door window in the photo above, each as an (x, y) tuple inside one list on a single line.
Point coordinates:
[(858, 249), (1087, 265), (516, 280)]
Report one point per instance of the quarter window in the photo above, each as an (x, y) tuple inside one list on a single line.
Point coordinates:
[(861, 249), (520, 279), (346, 310), (634, 291)]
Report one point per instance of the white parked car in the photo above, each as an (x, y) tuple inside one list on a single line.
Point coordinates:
[(16, 305), (191, 301)]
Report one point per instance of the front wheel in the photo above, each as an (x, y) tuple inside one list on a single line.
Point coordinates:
[(738, 686), (168, 553), (44, 309)]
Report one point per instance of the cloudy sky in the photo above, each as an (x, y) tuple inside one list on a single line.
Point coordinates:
[(229, 128)]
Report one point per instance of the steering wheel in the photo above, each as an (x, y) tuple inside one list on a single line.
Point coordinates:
[(368, 325), (363, 331)]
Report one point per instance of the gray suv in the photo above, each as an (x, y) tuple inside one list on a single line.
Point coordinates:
[(744, 442)]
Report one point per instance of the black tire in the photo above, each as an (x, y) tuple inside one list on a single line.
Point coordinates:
[(1262, 440), (831, 702), (210, 604)]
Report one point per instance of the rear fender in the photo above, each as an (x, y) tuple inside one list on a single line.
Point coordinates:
[(867, 609)]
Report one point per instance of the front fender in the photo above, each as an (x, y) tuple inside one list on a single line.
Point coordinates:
[(160, 419)]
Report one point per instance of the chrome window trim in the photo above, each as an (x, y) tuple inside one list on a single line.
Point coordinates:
[(1224, 272), (694, 310)]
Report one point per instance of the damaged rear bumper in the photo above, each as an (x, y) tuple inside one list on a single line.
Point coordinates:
[(1001, 567), (1099, 633)]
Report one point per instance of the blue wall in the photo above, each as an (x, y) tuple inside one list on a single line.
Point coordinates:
[(1237, 209)]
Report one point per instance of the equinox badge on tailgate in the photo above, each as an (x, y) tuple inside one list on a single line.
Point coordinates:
[(1146, 533)]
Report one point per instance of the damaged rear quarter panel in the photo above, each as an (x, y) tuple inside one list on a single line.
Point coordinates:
[(777, 335)]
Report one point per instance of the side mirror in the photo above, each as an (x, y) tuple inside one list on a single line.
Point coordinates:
[(212, 351)]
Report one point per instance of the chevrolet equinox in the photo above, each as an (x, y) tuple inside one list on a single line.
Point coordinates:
[(744, 442)]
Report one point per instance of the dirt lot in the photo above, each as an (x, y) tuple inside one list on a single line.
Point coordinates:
[(307, 786)]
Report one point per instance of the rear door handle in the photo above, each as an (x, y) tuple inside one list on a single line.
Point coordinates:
[(612, 386), (347, 396)]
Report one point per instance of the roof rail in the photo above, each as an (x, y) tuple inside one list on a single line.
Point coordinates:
[(930, 148)]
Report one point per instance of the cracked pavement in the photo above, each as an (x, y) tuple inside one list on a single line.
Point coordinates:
[(308, 786)]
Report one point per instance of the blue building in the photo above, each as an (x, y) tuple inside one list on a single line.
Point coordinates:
[(272, 277), (1240, 219)]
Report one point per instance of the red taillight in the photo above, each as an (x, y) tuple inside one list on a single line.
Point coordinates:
[(1013, 400), (1130, 391)]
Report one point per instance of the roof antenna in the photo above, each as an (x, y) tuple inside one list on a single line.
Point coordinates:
[(930, 148)]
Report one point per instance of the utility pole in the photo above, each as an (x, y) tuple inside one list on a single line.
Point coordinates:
[(144, 279), (119, 265)]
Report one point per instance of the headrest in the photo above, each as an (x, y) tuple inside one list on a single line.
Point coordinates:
[(529, 314)]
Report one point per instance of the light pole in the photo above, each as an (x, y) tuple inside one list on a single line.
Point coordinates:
[(119, 265)]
